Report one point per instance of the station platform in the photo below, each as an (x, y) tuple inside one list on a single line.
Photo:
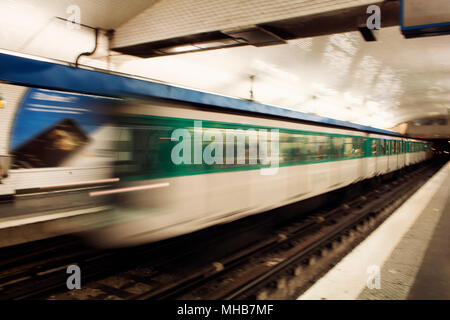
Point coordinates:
[(406, 258), (44, 214)]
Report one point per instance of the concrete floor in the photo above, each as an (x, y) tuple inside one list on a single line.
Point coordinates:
[(411, 250)]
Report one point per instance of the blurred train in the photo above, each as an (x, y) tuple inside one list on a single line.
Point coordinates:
[(187, 160)]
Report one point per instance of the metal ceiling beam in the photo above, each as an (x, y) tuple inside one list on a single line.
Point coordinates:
[(274, 32)]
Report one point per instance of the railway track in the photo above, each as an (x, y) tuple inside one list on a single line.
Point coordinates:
[(268, 265), (280, 265)]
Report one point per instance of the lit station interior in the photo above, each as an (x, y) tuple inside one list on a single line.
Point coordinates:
[(258, 150)]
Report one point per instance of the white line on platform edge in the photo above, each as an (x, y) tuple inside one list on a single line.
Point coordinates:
[(41, 218), (349, 277)]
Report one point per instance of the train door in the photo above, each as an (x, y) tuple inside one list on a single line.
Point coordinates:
[(402, 153), (406, 153), (359, 152), (352, 166), (369, 162), (397, 152), (392, 156), (382, 159), (337, 154), (388, 154)]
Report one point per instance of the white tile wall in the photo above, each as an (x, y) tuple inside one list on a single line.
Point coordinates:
[(11, 96), (45, 177)]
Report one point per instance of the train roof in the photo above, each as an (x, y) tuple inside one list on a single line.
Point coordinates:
[(49, 75)]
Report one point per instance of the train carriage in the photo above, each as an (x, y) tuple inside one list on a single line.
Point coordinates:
[(185, 159)]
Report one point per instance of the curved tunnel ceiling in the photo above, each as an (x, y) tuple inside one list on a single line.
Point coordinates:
[(322, 64), (379, 83)]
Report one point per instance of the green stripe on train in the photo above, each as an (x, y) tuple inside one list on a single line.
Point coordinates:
[(150, 147)]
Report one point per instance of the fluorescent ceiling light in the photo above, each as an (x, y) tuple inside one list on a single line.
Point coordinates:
[(177, 49)]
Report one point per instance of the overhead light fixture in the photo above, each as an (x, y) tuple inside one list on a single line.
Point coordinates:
[(254, 35), (216, 44), (179, 49)]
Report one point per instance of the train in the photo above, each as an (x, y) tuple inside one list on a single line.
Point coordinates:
[(183, 160)]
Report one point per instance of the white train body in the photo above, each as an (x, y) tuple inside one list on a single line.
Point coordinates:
[(57, 129), (186, 203)]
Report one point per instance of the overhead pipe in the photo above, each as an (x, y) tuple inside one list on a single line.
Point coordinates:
[(87, 54)]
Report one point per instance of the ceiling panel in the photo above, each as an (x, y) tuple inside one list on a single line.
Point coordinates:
[(175, 18)]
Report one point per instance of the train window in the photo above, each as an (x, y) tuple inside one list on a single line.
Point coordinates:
[(352, 147), (382, 146), (357, 147), (217, 155), (316, 148), (309, 149), (323, 147), (348, 147), (301, 145), (374, 147), (338, 147), (146, 147), (290, 148)]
